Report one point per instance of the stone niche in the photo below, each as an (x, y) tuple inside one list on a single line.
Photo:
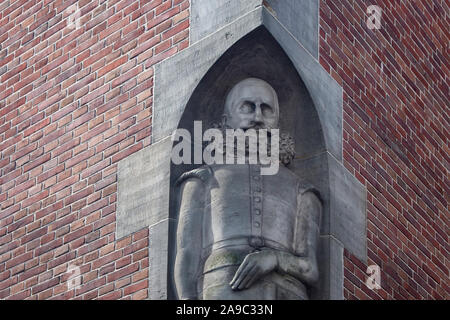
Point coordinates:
[(256, 55), (252, 40)]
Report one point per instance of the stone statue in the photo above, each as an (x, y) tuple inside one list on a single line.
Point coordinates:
[(242, 235)]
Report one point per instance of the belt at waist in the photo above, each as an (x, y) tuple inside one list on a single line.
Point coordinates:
[(254, 242), (222, 264), (233, 252)]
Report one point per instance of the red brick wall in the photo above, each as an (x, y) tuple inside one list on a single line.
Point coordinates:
[(396, 112), (73, 102), (76, 100)]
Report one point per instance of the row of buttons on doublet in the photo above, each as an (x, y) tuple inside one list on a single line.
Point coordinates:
[(256, 206)]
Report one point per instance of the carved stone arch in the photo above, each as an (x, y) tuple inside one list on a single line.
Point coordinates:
[(256, 55), (290, 29)]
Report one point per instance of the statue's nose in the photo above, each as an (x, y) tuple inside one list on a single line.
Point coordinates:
[(258, 114)]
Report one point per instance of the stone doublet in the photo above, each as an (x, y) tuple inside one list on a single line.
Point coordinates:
[(256, 207), (244, 207)]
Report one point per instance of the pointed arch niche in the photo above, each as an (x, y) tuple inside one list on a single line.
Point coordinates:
[(263, 41)]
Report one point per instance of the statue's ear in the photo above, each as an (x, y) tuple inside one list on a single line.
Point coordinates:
[(224, 120)]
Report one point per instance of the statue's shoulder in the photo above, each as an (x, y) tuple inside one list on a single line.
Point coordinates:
[(203, 173), (286, 175)]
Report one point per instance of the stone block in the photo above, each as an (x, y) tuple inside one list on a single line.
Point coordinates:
[(143, 188)]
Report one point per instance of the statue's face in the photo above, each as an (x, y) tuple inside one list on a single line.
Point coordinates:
[(252, 103)]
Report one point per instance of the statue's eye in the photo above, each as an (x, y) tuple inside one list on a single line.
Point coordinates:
[(266, 110), (247, 107)]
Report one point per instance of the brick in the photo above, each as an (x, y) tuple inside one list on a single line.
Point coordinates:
[(106, 289), (32, 272), (43, 286), (94, 94), (123, 272), (106, 259), (48, 248), (136, 246), (112, 296), (127, 152), (132, 73), (75, 102), (140, 295), (135, 287), (77, 234), (79, 195), (20, 296), (111, 66), (91, 285), (176, 29)]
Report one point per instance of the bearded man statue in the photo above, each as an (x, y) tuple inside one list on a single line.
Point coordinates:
[(240, 234)]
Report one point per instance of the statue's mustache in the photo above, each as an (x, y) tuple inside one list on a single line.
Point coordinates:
[(258, 126)]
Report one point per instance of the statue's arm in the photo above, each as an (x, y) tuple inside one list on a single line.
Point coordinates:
[(189, 238), (303, 263)]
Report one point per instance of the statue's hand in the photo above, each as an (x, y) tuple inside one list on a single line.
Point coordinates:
[(254, 266)]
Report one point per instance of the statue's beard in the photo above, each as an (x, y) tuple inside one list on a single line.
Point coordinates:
[(286, 150)]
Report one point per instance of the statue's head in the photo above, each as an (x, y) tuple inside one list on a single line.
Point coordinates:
[(252, 103)]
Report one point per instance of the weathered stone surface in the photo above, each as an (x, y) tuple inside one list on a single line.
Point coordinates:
[(348, 209), (227, 211), (344, 220), (336, 271), (324, 90), (180, 74), (301, 19), (259, 55), (177, 77), (208, 16), (345, 201), (158, 246), (143, 188), (331, 262)]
